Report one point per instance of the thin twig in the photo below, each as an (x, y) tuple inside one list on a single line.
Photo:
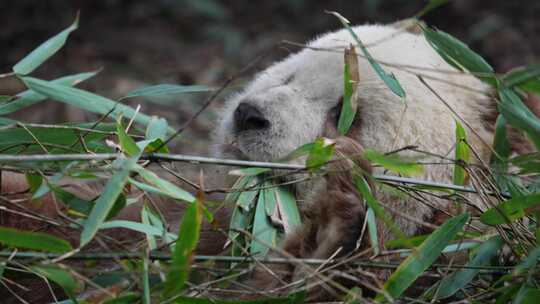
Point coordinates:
[(267, 260)]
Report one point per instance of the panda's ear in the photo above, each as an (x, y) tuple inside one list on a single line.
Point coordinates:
[(331, 120)]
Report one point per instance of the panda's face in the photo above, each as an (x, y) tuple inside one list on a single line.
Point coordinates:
[(285, 107)]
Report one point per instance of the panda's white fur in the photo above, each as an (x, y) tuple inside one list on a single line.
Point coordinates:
[(296, 94)]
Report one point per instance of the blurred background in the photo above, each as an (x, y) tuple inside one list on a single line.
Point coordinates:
[(139, 43)]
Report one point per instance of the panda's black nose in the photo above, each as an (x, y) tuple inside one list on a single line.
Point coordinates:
[(248, 117)]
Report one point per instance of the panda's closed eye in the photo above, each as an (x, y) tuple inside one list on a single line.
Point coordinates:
[(289, 79)]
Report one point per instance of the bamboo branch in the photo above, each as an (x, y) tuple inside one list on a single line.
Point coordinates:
[(7, 158), (161, 256)]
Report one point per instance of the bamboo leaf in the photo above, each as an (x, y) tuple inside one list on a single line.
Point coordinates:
[(459, 279), (188, 237), (519, 116), (352, 79), (389, 79), (526, 78), (248, 171), (44, 51), (364, 188), (394, 163), (270, 203), (461, 155), (423, 256), (84, 100), (60, 276), (372, 230), (127, 144), (320, 154), (106, 201), (240, 217), (264, 233), (288, 209), (135, 226), (29, 97), (511, 210), (458, 54), (166, 89), (59, 139), (432, 4), (300, 151), (527, 295), (157, 129), (33, 240), (246, 199), (165, 187)]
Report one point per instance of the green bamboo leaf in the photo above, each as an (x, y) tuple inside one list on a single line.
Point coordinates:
[(528, 163), (157, 129), (6, 121), (264, 233), (372, 230), (351, 79), (394, 163), (458, 54), (33, 240), (58, 139), (135, 226), (34, 181), (85, 100), (298, 152), (246, 199), (270, 203), (127, 144), (188, 237), (459, 279), (240, 218), (519, 115), (249, 171), (44, 51), (288, 209), (60, 276), (5, 98), (500, 158), (526, 78), (532, 86), (403, 243), (146, 213), (165, 187), (166, 89), (389, 79), (501, 146), (106, 201), (510, 210), (461, 155), (423, 256), (432, 4), (364, 188), (29, 97), (527, 295), (320, 154)]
